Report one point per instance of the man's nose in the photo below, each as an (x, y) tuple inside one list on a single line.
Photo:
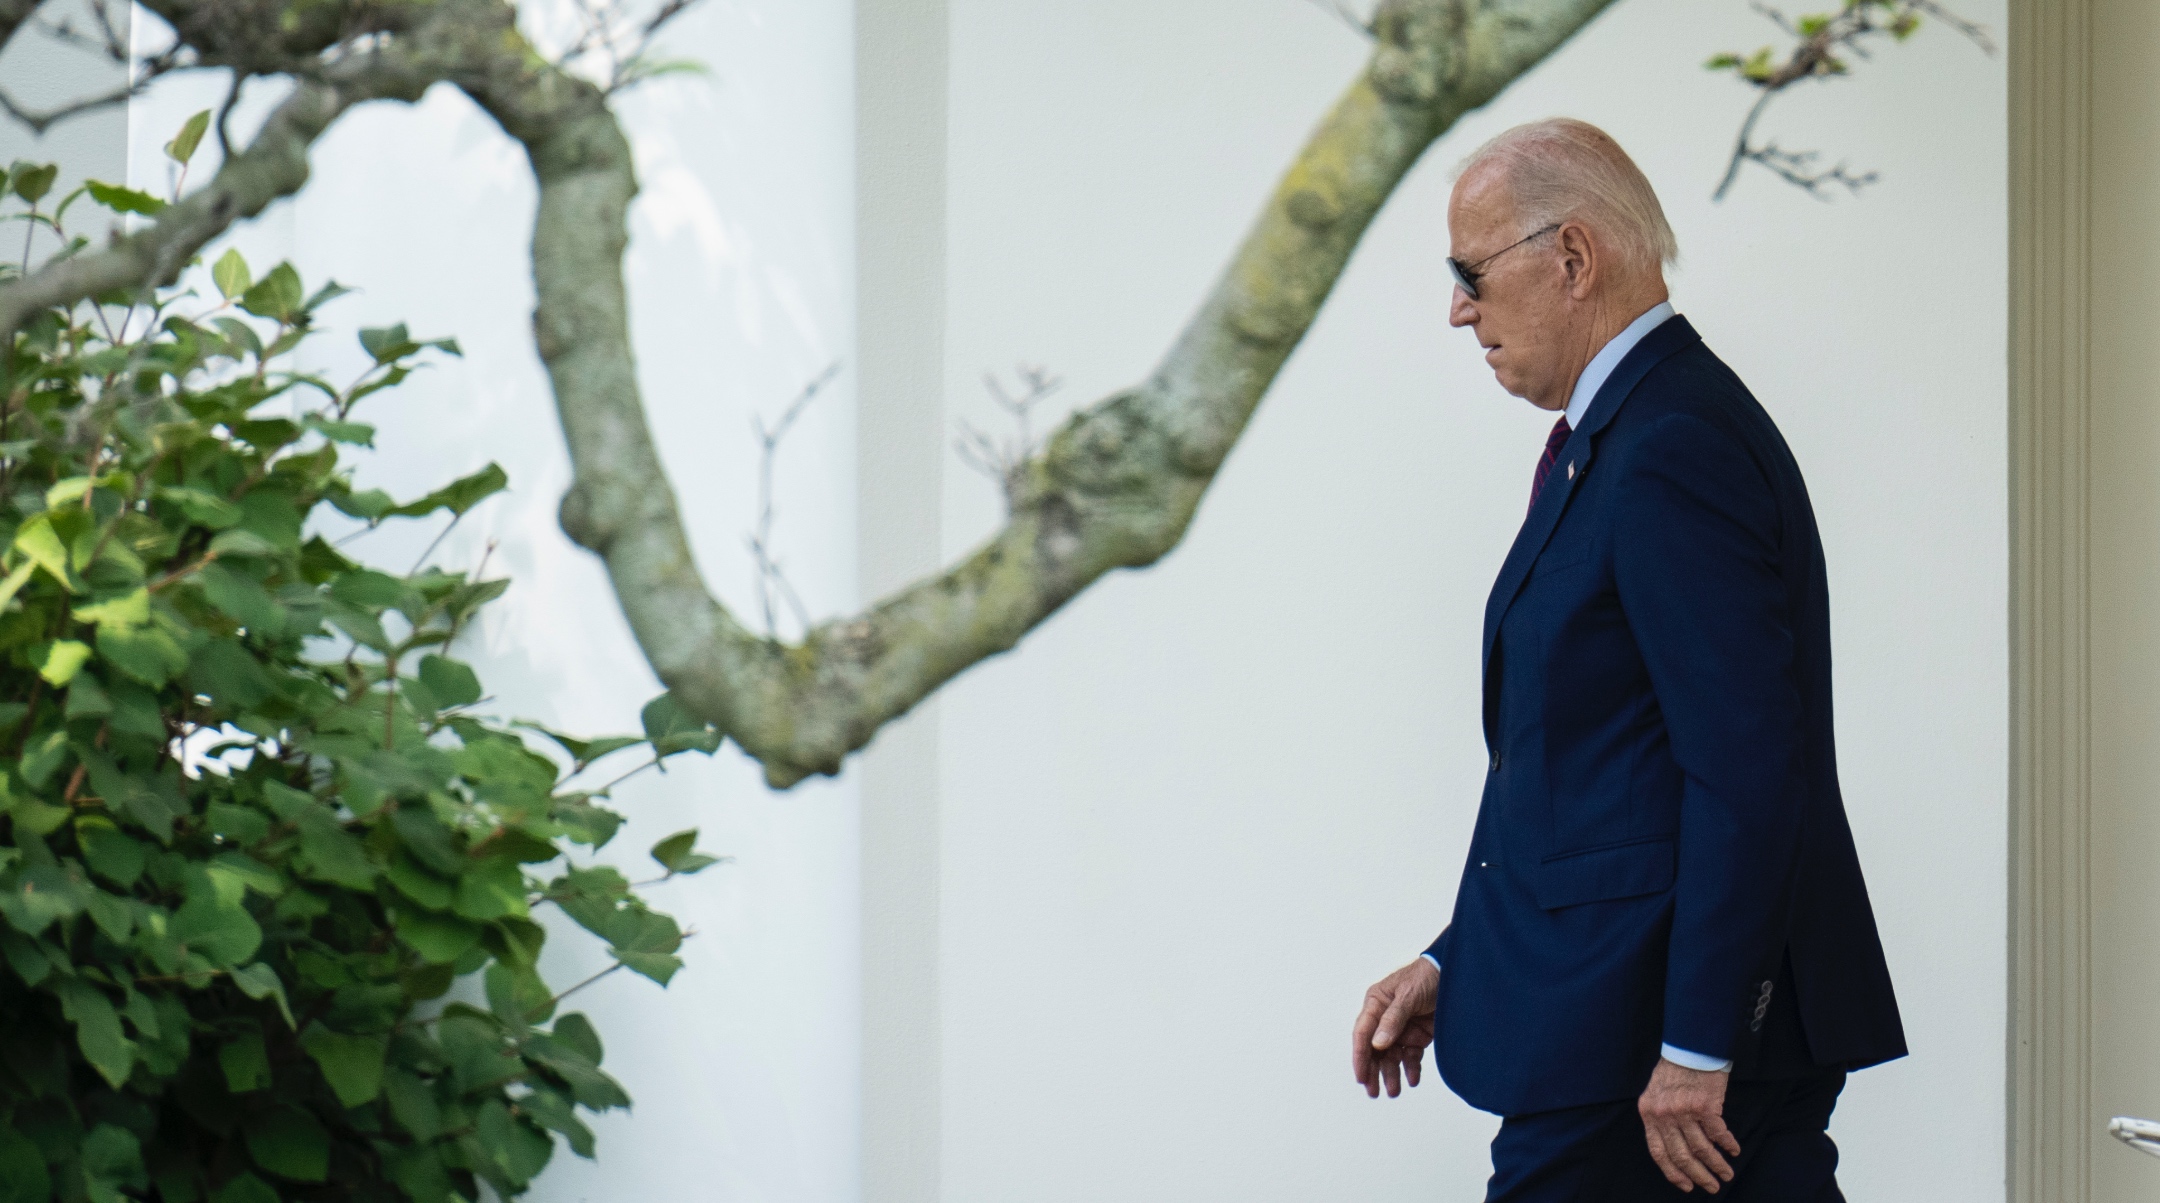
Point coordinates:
[(1461, 311)]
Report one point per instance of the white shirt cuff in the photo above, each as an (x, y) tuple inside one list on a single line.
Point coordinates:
[(1687, 1060), (1428, 956)]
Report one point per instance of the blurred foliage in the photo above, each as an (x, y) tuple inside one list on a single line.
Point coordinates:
[(252, 827)]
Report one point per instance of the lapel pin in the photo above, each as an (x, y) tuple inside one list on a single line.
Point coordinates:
[(1571, 470)]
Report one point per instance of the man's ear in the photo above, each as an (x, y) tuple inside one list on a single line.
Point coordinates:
[(1579, 259)]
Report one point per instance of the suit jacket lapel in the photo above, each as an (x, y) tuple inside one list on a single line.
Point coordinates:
[(1570, 468)]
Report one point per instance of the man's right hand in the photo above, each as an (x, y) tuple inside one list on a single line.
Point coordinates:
[(1388, 1044)]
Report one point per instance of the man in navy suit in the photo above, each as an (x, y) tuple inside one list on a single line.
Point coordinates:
[(1662, 961)]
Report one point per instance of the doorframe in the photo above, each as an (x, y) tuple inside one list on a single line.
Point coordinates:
[(2050, 1105)]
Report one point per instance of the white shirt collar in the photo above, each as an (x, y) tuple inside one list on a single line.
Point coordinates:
[(1608, 357)]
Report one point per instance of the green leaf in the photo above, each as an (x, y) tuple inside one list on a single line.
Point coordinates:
[(23, 1176), (552, 1110), (223, 670), (41, 544), (63, 658), (328, 853), (474, 1046), (231, 274), (645, 942), (182, 147), (594, 1091), (97, 1030), (353, 1065), (124, 200), (111, 913), (418, 884), (111, 1162), (437, 938), (201, 506), (517, 996), (147, 654), (576, 1033), (675, 855), (246, 1188), (459, 495), (240, 598), (32, 182), (243, 543), (289, 1143), (259, 981), (412, 1103), (112, 853), (127, 611), (15, 581), (276, 296), (239, 334), (219, 929), (493, 889), (86, 699), (236, 823), (27, 960), (250, 873), (519, 1151), (357, 434), (673, 729), (330, 291), (370, 505), (386, 343), (585, 751), (453, 684), (246, 1063), (40, 761)]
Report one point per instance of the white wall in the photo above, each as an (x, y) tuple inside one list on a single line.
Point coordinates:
[(741, 283), (1188, 821)]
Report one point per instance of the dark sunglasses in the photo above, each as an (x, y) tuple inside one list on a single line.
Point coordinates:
[(1466, 277)]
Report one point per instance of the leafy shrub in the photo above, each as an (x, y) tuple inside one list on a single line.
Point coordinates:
[(250, 823)]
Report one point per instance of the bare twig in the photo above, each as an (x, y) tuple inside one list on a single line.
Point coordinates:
[(606, 32), (770, 577), (1342, 10), (1825, 42), (1798, 168), (40, 120), (1005, 462)]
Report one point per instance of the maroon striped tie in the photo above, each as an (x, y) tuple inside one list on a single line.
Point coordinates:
[(1553, 443)]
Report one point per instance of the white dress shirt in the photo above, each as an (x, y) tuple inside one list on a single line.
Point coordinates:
[(1594, 375)]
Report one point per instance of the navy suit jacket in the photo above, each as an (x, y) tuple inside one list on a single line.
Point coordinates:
[(1661, 838)]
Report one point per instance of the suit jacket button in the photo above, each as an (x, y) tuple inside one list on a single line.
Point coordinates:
[(1496, 762)]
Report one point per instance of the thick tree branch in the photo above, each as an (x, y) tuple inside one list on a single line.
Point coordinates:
[(274, 165), (1114, 488), (440, 40), (12, 15)]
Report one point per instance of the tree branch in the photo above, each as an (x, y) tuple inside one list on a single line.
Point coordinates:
[(12, 15), (1822, 40), (274, 165), (40, 120), (1115, 487)]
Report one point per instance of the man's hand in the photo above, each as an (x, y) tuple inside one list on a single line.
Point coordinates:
[(1683, 1119), (1388, 1044)]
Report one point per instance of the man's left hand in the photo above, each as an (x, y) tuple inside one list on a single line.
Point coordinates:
[(1683, 1113)]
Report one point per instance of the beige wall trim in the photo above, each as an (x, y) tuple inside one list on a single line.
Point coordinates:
[(2050, 1105), (900, 67)]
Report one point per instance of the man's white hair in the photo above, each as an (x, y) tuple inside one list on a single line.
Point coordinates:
[(1562, 169)]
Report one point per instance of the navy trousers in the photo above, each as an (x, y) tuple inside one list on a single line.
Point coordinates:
[(1597, 1154)]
